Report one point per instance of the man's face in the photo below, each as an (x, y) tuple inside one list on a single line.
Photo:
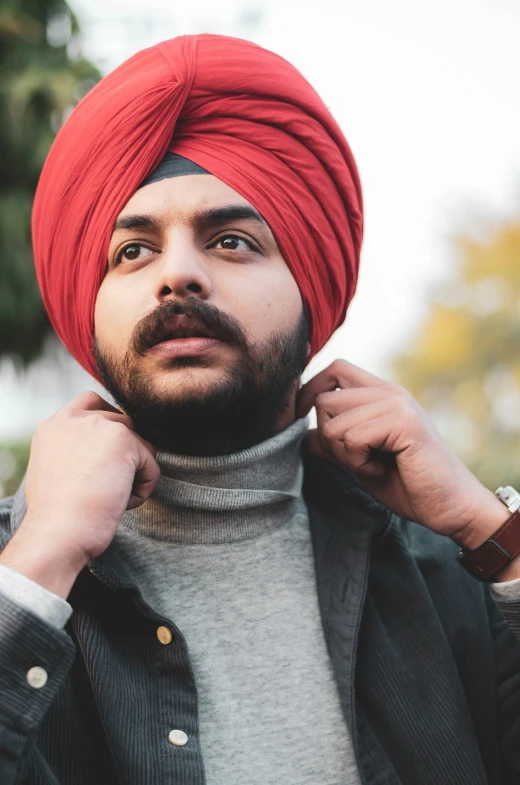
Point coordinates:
[(199, 318)]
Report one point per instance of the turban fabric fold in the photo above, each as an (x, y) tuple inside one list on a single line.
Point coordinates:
[(239, 111)]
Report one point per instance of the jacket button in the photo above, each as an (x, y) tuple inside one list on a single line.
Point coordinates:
[(178, 737), (164, 635), (37, 677)]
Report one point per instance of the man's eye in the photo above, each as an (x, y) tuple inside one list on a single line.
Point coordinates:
[(232, 242), (130, 253)]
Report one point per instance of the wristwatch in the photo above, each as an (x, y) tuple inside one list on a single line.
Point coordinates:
[(501, 548)]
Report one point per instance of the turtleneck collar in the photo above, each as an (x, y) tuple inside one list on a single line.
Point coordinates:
[(224, 498)]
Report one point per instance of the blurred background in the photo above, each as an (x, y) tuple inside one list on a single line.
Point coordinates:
[(427, 95)]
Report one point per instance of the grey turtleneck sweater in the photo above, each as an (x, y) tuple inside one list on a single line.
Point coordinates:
[(223, 549)]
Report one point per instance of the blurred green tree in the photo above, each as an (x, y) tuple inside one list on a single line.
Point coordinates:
[(464, 362), (42, 76), (14, 458)]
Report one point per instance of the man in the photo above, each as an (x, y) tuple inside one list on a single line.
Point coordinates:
[(182, 600)]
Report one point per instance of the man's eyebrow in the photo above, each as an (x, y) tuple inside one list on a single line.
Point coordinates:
[(135, 222), (228, 213), (213, 216)]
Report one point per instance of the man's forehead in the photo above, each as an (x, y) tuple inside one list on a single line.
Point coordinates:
[(185, 198), (160, 189)]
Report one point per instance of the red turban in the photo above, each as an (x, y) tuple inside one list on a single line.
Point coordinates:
[(240, 112)]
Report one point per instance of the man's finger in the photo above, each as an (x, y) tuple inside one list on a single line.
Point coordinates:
[(358, 460), (332, 404), (90, 401), (334, 429), (340, 374), (314, 444), (360, 446), (118, 416), (146, 476)]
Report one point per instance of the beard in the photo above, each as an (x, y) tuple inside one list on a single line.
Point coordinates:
[(242, 409)]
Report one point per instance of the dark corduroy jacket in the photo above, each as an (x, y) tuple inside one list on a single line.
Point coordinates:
[(428, 669)]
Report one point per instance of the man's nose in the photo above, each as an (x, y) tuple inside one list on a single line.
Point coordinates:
[(182, 271)]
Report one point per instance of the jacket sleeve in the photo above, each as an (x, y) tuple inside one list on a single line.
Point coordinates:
[(507, 597), (504, 619), (35, 657)]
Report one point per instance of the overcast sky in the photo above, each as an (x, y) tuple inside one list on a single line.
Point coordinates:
[(427, 95)]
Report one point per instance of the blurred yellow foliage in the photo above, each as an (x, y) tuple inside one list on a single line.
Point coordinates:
[(496, 258), (447, 341), (463, 363)]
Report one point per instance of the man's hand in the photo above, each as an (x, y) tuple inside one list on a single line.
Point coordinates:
[(381, 433), (87, 466)]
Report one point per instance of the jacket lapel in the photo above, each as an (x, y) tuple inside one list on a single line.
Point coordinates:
[(399, 686), (343, 519)]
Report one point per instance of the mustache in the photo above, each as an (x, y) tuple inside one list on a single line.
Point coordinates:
[(224, 327)]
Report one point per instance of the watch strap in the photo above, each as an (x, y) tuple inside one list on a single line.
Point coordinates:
[(496, 553)]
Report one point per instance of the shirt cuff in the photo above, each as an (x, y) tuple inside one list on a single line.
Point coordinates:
[(507, 590), (34, 597)]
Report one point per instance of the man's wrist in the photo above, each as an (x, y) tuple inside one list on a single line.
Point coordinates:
[(54, 570), (491, 516)]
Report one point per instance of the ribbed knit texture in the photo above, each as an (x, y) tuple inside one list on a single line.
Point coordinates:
[(227, 498), (223, 549)]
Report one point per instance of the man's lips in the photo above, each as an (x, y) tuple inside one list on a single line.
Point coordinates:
[(181, 336), (185, 347)]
